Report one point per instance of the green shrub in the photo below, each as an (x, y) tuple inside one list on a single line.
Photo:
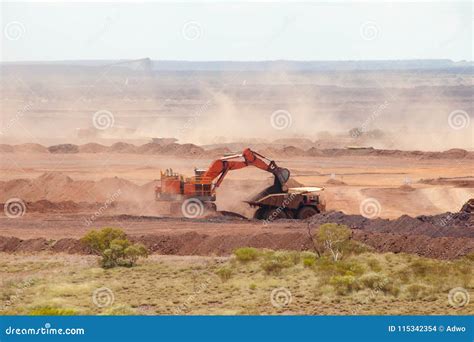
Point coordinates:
[(246, 254), (308, 258), (373, 281), (295, 257), (51, 311), (224, 273), (374, 265), (328, 267), (378, 282), (99, 241), (334, 238), (274, 263), (309, 261), (114, 247), (253, 286), (343, 284)]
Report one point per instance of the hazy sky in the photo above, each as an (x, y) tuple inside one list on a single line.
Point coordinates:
[(236, 31)]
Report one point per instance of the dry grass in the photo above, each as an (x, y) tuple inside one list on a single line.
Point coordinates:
[(360, 284)]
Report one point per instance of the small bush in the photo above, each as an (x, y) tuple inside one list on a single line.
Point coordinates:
[(374, 265), (356, 248), (328, 267), (343, 284), (294, 257), (308, 258), (274, 263), (418, 291), (378, 282), (422, 267), (114, 247), (253, 286), (373, 281), (309, 261), (224, 273), (51, 311), (246, 254)]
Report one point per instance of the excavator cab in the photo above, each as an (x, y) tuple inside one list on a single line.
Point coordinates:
[(175, 187)]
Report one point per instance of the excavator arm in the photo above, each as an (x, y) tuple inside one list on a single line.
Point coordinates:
[(220, 167)]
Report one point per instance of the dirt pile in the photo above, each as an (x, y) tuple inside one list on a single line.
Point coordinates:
[(4, 148), (460, 182), (334, 181), (30, 148), (45, 206), (285, 148), (406, 187), (64, 148), (193, 243), (92, 148), (23, 148), (67, 245), (57, 187), (443, 225)]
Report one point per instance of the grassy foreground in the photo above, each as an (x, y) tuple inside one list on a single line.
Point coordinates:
[(250, 282)]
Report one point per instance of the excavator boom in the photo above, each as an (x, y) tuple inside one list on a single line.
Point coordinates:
[(220, 167)]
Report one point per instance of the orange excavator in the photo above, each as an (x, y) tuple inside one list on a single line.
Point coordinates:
[(199, 192)]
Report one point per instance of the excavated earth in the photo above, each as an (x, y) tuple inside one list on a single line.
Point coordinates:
[(191, 150), (57, 227)]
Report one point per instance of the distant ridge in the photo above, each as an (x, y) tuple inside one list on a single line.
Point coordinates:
[(277, 65)]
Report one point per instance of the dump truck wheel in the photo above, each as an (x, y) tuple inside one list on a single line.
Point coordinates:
[(259, 214), (275, 214), (305, 212)]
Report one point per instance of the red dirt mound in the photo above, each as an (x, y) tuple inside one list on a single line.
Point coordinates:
[(30, 148), (64, 148), (193, 243), (334, 181), (93, 148), (277, 150), (460, 182), (57, 187), (447, 224)]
